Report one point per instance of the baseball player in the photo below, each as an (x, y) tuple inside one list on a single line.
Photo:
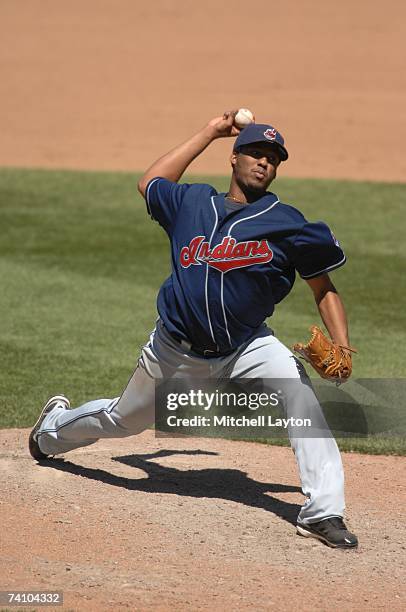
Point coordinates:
[(234, 257)]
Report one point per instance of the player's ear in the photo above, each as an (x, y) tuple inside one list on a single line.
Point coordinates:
[(233, 158)]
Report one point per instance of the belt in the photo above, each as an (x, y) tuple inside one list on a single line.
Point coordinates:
[(205, 353)]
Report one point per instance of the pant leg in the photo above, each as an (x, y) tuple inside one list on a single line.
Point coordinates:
[(318, 458), (64, 430)]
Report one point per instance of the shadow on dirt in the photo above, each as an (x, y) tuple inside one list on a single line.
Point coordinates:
[(228, 484)]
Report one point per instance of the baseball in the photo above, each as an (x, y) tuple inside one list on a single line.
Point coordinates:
[(243, 118)]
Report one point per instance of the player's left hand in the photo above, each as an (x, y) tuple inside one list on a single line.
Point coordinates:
[(332, 361), (224, 126)]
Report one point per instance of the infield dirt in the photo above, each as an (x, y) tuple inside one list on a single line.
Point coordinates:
[(112, 85), (194, 524)]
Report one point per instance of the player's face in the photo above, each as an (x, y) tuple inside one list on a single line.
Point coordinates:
[(255, 166)]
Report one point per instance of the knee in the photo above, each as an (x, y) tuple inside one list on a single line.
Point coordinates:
[(133, 419)]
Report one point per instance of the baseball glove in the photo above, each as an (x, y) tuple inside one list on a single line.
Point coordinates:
[(331, 361)]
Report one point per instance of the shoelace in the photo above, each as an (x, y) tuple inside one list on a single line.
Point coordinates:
[(338, 523)]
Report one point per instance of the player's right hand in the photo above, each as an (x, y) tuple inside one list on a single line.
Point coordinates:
[(224, 126)]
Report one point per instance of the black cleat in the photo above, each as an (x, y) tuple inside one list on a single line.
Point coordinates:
[(331, 531), (53, 402)]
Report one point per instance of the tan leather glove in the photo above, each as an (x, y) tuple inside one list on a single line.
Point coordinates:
[(331, 361)]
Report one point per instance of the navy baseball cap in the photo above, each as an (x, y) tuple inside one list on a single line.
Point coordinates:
[(260, 132)]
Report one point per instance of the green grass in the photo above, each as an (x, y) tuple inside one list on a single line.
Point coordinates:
[(81, 263)]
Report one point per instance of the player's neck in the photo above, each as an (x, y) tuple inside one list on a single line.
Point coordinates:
[(236, 194), (238, 200)]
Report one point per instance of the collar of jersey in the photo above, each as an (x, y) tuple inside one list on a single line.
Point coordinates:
[(267, 200)]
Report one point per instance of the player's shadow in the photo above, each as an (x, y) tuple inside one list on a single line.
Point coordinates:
[(229, 484)]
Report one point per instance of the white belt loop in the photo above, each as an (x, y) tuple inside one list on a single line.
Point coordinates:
[(186, 345)]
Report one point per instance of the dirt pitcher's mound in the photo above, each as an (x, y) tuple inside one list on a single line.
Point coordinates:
[(193, 524)]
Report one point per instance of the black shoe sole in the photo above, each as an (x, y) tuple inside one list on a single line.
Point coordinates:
[(33, 445), (301, 530)]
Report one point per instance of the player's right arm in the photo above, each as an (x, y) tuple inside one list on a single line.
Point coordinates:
[(173, 164)]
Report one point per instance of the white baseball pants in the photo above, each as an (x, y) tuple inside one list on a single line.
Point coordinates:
[(318, 458)]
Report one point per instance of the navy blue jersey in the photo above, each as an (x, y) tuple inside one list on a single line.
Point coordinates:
[(229, 270)]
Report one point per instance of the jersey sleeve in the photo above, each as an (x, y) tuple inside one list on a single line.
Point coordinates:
[(316, 250), (163, 199)]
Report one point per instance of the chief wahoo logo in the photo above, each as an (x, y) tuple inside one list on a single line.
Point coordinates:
[(270, 134)]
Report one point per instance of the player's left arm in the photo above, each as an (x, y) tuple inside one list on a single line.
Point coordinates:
[(331, 308)]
